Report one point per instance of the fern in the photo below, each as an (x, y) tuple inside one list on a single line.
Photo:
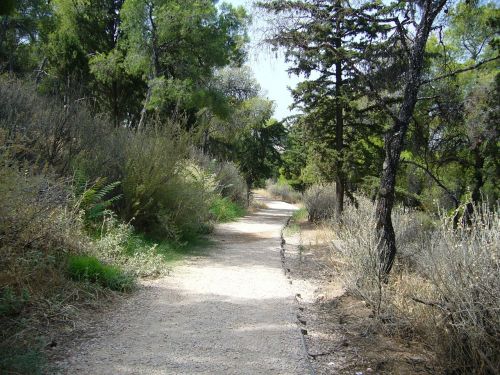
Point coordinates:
[(93, 200)]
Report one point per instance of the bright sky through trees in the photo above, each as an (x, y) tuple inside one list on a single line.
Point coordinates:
[(269, 69)]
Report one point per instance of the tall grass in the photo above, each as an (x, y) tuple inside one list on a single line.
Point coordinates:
[(444, 287)]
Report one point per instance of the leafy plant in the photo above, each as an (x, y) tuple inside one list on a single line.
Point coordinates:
[(88, 268), (21, 360), (224, 210), (94, 199)]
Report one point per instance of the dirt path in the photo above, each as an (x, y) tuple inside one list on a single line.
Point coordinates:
[(231, 312)]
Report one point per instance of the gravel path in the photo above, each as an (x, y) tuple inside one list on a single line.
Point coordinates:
[(230, 312)]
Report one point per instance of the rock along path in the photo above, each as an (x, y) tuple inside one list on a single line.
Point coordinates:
[(229, 312)]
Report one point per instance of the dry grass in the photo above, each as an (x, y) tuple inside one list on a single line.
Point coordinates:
[(444, 289), (320, 202)]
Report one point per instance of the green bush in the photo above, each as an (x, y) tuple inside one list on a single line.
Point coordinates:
[(224, 210), (163, 193), (88, 268)]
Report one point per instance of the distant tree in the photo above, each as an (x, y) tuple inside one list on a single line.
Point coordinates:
[(176, 45), (330, 43), (258, 145), (23, 28)]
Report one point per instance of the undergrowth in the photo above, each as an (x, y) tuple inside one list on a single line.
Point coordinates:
[(224, 210), (298, 217), (444, 289), (91, 269)]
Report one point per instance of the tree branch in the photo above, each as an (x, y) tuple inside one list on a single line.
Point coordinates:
[(463, 70), (431, 175)]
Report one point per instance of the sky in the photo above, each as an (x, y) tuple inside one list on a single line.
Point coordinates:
[(269, 69)]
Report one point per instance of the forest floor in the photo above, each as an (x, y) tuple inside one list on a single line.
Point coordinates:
[(230, 310), (341, 334)]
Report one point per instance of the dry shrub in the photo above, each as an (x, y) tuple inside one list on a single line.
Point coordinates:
[(283, 191), (444, 287), (319, 201), (44, 131), (462, 266), (36, 227), (230, 182)]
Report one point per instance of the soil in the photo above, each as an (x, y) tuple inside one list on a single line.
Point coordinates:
[(230, 311)]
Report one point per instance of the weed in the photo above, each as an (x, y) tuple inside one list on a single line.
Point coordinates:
[(224, 210), (88, 268)]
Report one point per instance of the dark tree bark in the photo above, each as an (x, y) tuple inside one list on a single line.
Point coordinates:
[(395, 137)]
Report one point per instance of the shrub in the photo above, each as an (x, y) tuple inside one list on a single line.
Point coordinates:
[(224, 210), (88, 268), (445, 284), (283, 191), (44, 131), (230, 182), (36, 228), (319, 201), (163, 192), (117, 244), (12, 303), (22, 360)]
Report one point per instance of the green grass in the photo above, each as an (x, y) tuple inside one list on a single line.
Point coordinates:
[(224, 210), (90, 269)]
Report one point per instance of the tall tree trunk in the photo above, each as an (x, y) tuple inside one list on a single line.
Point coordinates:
[(395, 137), (154, 61), (467, 218), (339, 119), (144, 110)]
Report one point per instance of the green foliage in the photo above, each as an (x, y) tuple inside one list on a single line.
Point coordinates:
[(162, 192), (257, 145), (12, 303), (224, 210), (94, 199), (90, 269), (22, 361)]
